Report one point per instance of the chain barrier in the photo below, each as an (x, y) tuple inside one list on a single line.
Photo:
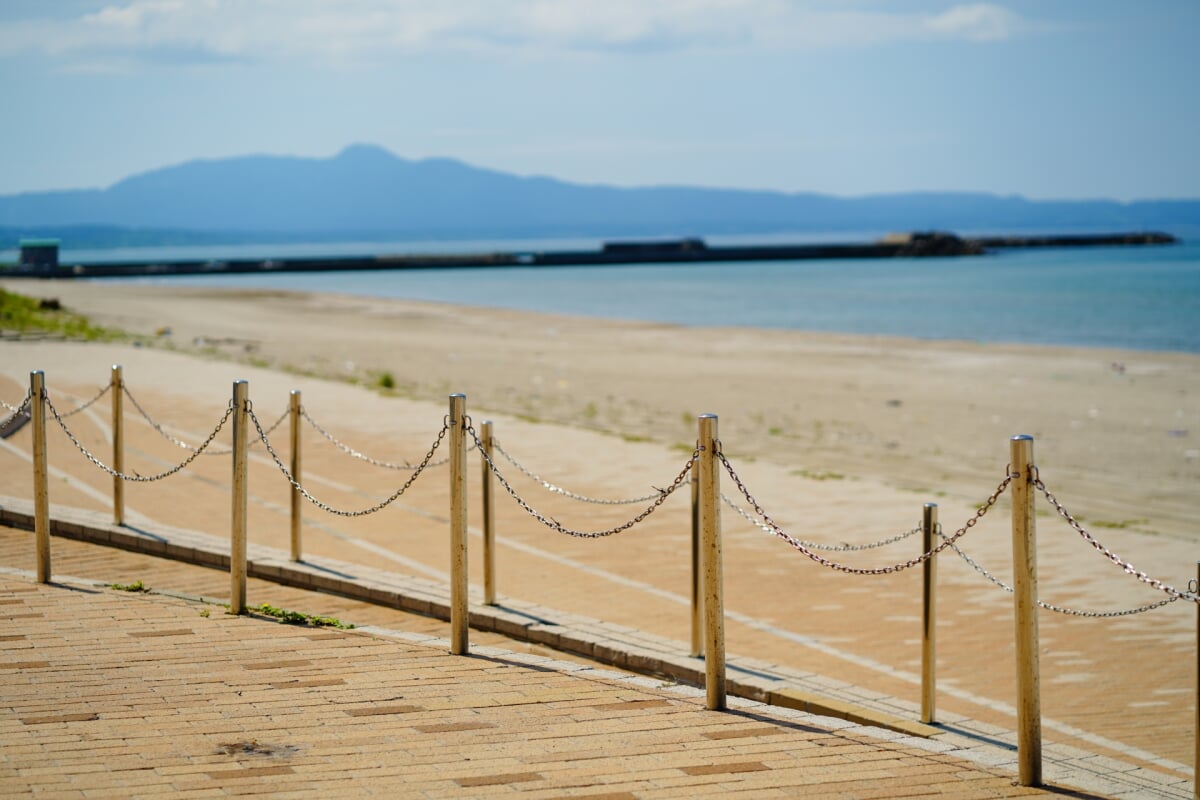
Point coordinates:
[(184, 445), (1110, 555), (554, 524), (825, 562), (135, 477), (350, 451), (274, 425), (161, 430), (564, 492), (844, 547), (15, 411), (1050, 606), (325, 506), (103, 391)]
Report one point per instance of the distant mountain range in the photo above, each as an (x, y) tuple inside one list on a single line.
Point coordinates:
[(368, 193)]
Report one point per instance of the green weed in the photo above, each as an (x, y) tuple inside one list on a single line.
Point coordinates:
[(136, 586), (1120, 526), (299, 618), (814, 475), (31, 315)]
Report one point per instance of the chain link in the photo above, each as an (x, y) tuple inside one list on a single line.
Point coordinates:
[(17, 410), (103, 391), (325, 506), (1110, 555), (912, 562), (564, 492), (184, 445), (161, 430), (554, 524), (286, 413), (844, 547), (1050, 606), (135, 477), (360, 456)]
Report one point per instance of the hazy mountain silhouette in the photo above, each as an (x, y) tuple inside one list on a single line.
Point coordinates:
[(366, 191)]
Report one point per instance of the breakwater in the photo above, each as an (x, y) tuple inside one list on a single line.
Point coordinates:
[(692, 250)]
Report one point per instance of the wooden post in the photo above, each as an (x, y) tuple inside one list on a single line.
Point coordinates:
[(41, 483), (117, 387), (489, 515), (297, 507), (697, 572), (928, 617), (1025, 596), (237, 546), (459, 604), (710, 529)]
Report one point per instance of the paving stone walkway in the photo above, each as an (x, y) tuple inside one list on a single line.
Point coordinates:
[(113, 693), (120, 694)]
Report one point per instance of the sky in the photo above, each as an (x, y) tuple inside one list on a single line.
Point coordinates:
[(1059, 99)]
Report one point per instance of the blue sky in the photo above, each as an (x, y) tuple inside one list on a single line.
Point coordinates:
[(1049, 99)]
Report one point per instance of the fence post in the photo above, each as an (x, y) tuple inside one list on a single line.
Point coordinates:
[(697, 587), (1025, 596), (41, 483), (294, 409), (929, 523), (117, 387), (489, 515), (237, 547), (710, 528), (459, 606)]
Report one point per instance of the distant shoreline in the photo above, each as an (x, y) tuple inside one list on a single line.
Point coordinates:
[(617, 253)]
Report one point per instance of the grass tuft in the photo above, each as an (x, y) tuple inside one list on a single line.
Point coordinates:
[(299, 618), (136, 586), (30, 315)]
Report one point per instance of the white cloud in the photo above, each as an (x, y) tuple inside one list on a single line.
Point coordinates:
[(352, 30), (982, 22)]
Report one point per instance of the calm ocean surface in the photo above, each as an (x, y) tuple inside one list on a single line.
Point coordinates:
[(1145, 298)]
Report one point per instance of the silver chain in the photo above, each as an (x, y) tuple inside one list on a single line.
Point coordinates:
[(554, 524), (325, 506), (360, 456), (564, 492), (17, 410), (103, 391), (286, 413), (912, 562), (1110, 555), (184, 445), (135, 477), (161, 430), (840, 548), (1050, 606)]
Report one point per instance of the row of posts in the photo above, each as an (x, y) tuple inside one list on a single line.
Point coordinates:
[(708, 632)]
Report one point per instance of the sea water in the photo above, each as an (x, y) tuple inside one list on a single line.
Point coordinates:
[(1145, 298)]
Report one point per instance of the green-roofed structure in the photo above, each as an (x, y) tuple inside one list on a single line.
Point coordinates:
[(39, 254)]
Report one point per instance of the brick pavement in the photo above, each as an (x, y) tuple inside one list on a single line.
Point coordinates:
[(1099, 776), (108, 693)]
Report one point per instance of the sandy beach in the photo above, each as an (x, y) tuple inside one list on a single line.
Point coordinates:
[(840, 438), (1118, 432)]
